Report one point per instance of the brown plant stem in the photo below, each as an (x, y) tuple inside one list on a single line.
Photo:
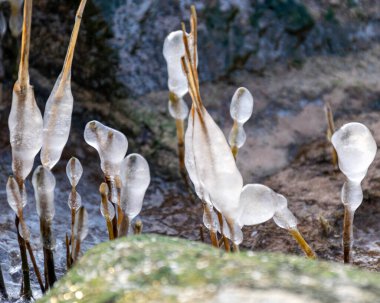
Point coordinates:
[(201, 233), (35, 267), (68, 255), (225, 240), (236, 248), (3, 289), (181, 145), (23, 76), (302, 243), (73, 212), (234, 150), (124, 226), (347, 234), (104, 201), (213, 233), (114, 220), (138, 228), (51, 278), (26, 290)]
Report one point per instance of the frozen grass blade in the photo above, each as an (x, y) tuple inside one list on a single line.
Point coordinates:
[(59, 106), (44, 185), (107, 209), (80, 232), (356, 149)]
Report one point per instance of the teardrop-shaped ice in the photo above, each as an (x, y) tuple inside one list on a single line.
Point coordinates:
[(237, 136), (356, 150), (232, 231), (241, 105), (107, 211), (257, 204), (15, 19), (211, 165), (25, 127), (44, 184), (173, 50), (81, 224), (75, 200), (24, 232), (284, 218), (74, 171), (135, 177), (111, 145), (15, 196), (178, 108)]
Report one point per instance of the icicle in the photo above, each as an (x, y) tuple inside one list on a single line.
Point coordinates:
[(74, 171), (356, 149), (59, 106)]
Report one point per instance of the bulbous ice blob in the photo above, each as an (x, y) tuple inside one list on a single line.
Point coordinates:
[(178, 108), (15, 19), (356, 150), (135, 177), (3, 25), (237, 136), (173, 50), (24, 232), (25, 127), (210, 219), (81, 224), (211, 165), (284, 218), (111, 145), (74, 171), (352, 195), (241, 105), (107, 211), (257, 204), (233, 232), (44, 184), (57, 122), (15, 197), (75, 200)]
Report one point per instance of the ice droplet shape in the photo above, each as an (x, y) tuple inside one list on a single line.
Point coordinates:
[(352, 195), (241, 105), (44, 184), (111, 145), (74, 171), (237, 136), (135, 177), (173, 50), (16, 199), (57, 122), (75, 200), (178, 108), (211, 165), (108, 212), (257, 204), (283, 217), (25, 127), (356, 149)]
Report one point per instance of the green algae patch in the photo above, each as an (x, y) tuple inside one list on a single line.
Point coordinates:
[(152, 268)]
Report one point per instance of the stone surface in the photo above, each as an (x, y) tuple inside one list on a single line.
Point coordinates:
[(153, 268)]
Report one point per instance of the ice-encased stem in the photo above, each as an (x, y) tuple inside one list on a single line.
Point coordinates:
[(302, 243), (125, 226), (348, 235), (225, 240), (3, 289), (112, 188), (46, 234), (23, 76), (104, 201), (213, 232)]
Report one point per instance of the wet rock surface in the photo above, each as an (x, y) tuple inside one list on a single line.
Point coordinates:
[(161, 269)]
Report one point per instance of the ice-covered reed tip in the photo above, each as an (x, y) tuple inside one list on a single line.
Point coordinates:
[(356, 149), (241, 110)]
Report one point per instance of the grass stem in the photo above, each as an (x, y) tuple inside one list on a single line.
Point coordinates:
[(225, 240), (347, 234), (302, 243)]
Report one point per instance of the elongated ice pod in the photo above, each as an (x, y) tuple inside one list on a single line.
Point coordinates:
[(44, 184), (356, 149), (25, 120), (15, 19), (257, 204), (74, 171), (240, 110), (59, 106), (112, 146), (135, 176), (80, 231)]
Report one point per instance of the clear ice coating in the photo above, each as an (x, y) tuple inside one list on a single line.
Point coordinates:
[(25, 127), (356, 149), (74, 171), (135, 177), (257, 204), (232, 231), (241, 110), (211, 165), (178, 108), (173, 50), (108, 211), (15, 19), (283, 217), (75, 200), (15, 196), (81, 224), (210, 218), (111, 145), (44, 184)]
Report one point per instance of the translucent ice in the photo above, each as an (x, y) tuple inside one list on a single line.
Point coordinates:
[(111, 145), (106, 207), (135, 177), (173, 50), (257, 204), (74, 171), (44, 184), (75, 200), (210, 218), (80, 231), (15, 19), (283, 217), (59, 106), (232, 231), (241, 110), (177, 107), (356, 150)]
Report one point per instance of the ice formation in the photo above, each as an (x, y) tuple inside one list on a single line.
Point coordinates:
[(59, 106), (74, 171), (106, 207), (177, 107), (80, 231), (135, 177), (240, 110), (25, 119), (15, 19), (112, 146), (44, 184), (283, 217)]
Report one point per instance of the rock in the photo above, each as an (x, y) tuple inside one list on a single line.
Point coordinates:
[(153, 268)]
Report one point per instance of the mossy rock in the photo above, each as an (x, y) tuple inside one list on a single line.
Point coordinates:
[(153, 268)]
